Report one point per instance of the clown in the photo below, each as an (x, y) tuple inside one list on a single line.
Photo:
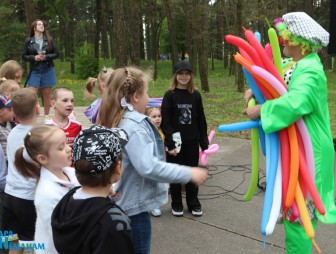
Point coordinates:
[(306, 98)]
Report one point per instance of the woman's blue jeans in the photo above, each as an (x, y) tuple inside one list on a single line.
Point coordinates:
[(141, 232)]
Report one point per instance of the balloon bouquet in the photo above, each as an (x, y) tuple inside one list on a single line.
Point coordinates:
[(290, 168)]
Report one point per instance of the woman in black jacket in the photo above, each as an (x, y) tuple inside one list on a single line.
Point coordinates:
[(40, 50)]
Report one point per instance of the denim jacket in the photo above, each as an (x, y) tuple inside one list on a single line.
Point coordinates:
[(142, 186)]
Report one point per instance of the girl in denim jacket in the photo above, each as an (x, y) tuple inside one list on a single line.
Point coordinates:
[(142, 186)]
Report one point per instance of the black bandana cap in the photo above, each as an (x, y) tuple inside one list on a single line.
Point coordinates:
[(99, 145)]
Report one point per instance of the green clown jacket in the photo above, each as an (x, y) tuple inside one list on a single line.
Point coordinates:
[(307, 97)]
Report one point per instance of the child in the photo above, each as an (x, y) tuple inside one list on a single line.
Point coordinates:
[(6, 125), (11, 70), (154, 115), (86, 220), (142, 186), (6, 121), (91, 112), (8, 86), (182, 112), (46, 156), (62, 101), (19, 212), (3, 173)]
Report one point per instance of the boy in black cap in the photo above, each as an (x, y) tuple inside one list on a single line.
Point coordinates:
[(86, 220)]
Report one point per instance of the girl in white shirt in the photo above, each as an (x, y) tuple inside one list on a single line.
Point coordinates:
[(46, 156)]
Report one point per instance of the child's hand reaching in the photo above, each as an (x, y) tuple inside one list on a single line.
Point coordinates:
[(199, 175), (173, 152)]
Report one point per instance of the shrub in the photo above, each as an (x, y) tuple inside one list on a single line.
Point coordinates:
[(86, 64)]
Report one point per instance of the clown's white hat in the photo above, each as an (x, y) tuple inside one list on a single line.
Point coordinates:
[(301, 24)]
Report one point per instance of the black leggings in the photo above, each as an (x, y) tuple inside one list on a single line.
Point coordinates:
[(188, 156)]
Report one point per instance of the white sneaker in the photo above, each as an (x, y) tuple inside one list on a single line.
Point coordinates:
[(156, 212), (177, 213), (197, 212)]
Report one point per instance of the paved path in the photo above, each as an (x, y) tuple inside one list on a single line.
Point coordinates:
[(229, 225)]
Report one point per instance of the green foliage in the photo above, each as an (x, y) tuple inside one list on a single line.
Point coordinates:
[(86, 64), (12, 34), (165, 46)]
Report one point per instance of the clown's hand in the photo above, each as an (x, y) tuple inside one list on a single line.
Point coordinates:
[(253, 112), (248, 95)]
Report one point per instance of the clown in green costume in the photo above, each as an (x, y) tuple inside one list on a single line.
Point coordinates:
[(307, 98)]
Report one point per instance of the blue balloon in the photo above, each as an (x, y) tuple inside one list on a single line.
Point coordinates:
[(268, 152), (255, 89), (271, 174), (239, 126), (261, 99), (262, 140), (258, 36), (153, 104)]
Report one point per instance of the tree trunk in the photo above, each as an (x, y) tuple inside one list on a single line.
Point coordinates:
[(149, 21), (98, 27), (203, 46), (156, 38), (71, 38), (172, 31), (149, 40), (134, 21), (30, 13), (119, 34), (30, 17), (220, 30), (309, 5), (102, 10), (191, 35), (239, 77), (110, 33)]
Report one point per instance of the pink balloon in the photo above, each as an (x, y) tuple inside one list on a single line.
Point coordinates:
[(211, 135), (295, 210), (203, 156), (308, 147), (267, 76), (268, 51), (204, 159), (212, 149)]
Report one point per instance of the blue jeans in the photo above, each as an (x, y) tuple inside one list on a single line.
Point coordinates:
[(141, 232)]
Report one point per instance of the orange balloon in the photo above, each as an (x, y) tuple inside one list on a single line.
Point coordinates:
[(294, 165), (248, 65), (307, 225)]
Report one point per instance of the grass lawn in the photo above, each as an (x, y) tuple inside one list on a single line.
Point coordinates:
[(224, 104)]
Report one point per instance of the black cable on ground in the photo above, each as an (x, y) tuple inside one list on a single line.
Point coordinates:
[(213, 170)]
